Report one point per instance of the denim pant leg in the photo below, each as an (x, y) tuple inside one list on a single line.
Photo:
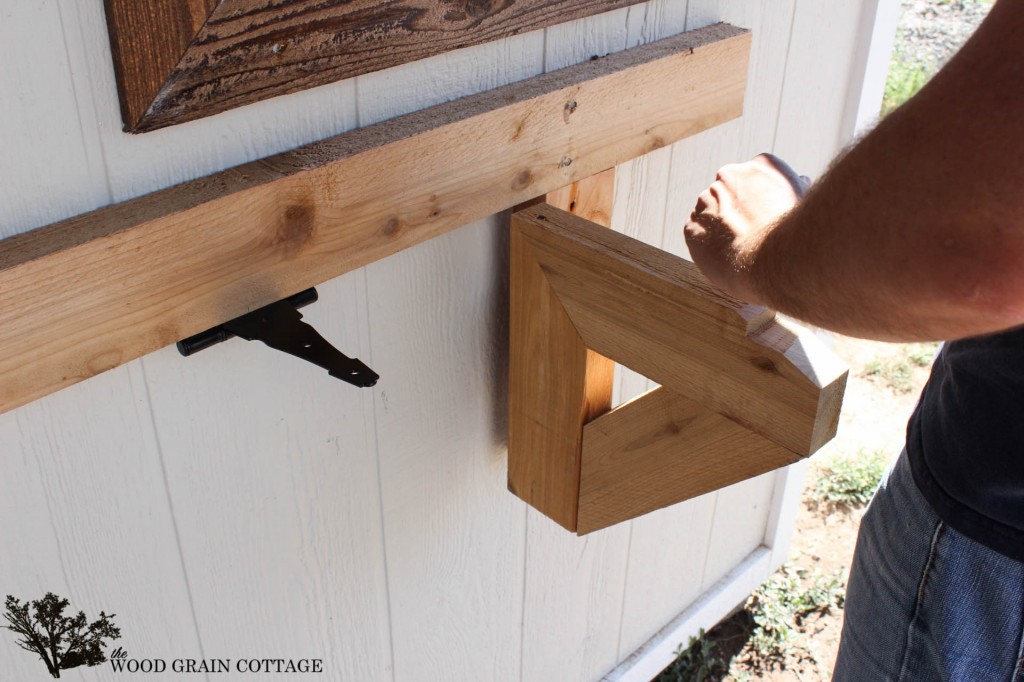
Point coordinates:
[(926, 603)]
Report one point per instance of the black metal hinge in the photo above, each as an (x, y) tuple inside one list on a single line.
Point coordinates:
[(280, 326)]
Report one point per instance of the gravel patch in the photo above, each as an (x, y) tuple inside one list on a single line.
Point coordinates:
[(931, 31)]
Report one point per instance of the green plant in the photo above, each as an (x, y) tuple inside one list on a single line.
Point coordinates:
[(921, 354), (694, 663), (780, 605), (903, 82), (849, 480), (897, 371)]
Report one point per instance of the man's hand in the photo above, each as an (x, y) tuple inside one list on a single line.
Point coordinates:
[(732, 216)]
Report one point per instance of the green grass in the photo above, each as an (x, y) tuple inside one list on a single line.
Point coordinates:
[(903, 82), (849, 480), (775, 612), (694, 663), (897, 372), (921, 354), (780, 605)]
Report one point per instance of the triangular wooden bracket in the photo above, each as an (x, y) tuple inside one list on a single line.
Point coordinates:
[(743, 391)]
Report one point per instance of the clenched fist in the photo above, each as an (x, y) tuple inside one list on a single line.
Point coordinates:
[(733, 215)]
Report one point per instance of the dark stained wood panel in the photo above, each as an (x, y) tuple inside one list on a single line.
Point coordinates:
[(147, 40), (179, 60)]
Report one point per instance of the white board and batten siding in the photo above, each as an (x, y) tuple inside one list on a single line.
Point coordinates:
[(242, 504)]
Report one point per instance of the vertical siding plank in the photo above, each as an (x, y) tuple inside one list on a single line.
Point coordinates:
[(640, 202), (454, 535), (573, 601), (667, 555), (137, 164), (411, 87), (572, 598), (438, 321), (816, 90), (643, 182), (48, 168), (272, 469), (86, 510), (86, 516)]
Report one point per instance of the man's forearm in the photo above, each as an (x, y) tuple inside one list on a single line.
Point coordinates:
[(918, 231)]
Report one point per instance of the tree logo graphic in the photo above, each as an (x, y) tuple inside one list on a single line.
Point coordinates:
[(61, 641)]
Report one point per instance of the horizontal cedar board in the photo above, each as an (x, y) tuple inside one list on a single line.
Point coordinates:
[(178, 60), (658, 315), (87, 294)]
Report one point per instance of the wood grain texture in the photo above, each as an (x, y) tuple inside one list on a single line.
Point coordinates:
[(148, 41), (548, 360), (172, 68), (660, 449), (245, 237), (546, 391), (592, 199), (657, 314)]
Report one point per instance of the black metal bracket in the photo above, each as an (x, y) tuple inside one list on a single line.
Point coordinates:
[(280, 326)]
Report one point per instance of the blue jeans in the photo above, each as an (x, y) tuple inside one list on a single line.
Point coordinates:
[(925, 602)]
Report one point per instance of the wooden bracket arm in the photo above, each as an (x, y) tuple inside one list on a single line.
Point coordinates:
[(743, 391)]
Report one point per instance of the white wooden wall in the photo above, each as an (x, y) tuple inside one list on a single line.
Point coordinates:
[(242, 504)]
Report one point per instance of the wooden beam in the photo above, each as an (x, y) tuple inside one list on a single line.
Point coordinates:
[(179, 60), (658, 315), (547, 392), (90, 293), (660, 449), (592, 199), (556, 384)]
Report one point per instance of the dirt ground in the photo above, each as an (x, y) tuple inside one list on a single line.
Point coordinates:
[(875, 413)]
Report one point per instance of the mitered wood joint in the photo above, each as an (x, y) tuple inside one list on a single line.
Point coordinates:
[(742, 391)]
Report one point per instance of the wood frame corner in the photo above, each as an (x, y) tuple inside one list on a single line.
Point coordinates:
[(743, 392)]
